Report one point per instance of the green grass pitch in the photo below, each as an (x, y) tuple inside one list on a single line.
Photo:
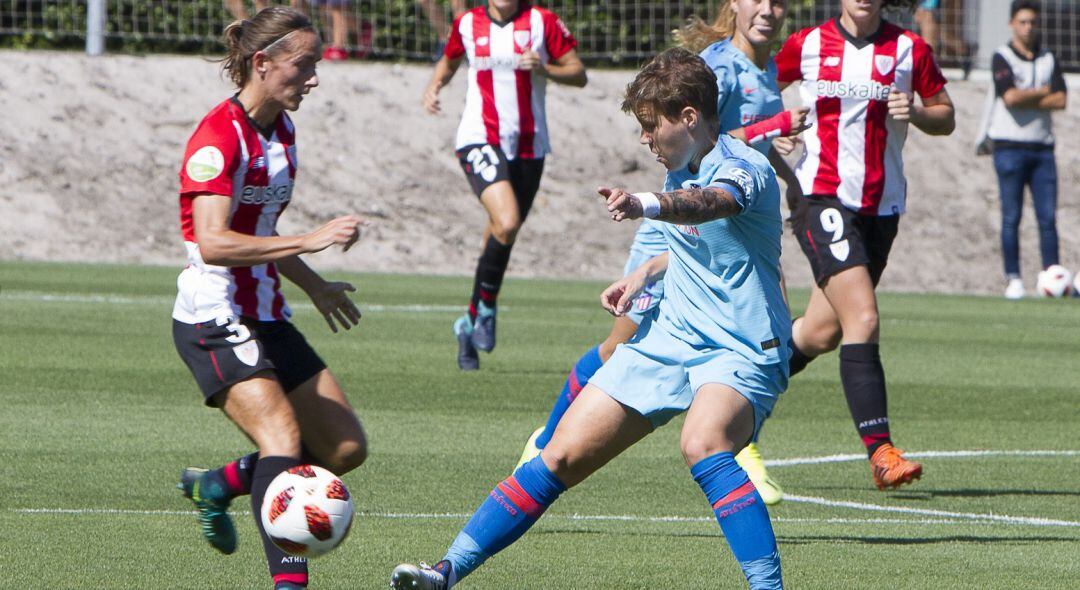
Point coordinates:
[(99, 415)]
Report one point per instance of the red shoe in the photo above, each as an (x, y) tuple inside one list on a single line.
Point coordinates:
[(332, 53), (891, 470)]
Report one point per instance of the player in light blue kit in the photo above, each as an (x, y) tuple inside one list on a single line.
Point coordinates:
[(715, 347), (737, 46)]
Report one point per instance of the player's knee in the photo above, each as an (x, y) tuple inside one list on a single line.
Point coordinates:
[(505, 228), (563, 466), (696, 447), (347, 456), (862, 325), (819, 340)]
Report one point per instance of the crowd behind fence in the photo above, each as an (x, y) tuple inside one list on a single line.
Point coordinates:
[(613, 32)]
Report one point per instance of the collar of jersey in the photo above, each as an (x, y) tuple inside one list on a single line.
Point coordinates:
[(857, 42), (522, 7)]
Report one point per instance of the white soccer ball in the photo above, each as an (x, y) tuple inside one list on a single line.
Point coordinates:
[(307, 511), (1055, 281)]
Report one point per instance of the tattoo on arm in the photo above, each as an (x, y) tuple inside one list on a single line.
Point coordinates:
[(697, 205)]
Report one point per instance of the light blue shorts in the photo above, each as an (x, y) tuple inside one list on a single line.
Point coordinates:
[(658, 375), (653, 293)]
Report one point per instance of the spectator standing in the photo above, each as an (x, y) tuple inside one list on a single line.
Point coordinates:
[(1028, 85)]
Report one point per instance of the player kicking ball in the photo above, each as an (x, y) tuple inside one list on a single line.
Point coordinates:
[(713, 348)]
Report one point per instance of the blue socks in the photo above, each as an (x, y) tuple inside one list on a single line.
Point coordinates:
[(511, 508), (583, 370), (742, 516)]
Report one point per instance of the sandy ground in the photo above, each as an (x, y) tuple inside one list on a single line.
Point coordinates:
[(90, 149)]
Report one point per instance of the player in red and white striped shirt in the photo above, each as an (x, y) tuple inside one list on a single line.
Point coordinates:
[(857, 74), (513, 48), (230, 320)]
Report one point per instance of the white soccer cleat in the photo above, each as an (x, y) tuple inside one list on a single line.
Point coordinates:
[(750, 460), (1015, 289), (418, 577)]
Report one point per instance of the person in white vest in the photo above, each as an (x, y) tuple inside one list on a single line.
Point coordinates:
[(1028, 85)]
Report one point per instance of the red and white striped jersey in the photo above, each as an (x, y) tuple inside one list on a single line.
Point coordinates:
[(504, 105), (228, 156), (853, 149)]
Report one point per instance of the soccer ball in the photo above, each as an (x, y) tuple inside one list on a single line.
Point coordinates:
[(307, 511), (1055, 281)]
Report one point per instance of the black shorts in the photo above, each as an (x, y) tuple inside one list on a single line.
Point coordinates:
[(835, 238), (486, 164), (223, 353)]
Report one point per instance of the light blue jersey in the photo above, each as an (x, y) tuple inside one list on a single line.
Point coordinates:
[(723, 277), (748, 94), (649, 242)]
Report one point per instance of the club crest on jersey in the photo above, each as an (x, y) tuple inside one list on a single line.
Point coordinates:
[(522, 38), (840, 250), (884, 64), (207, 163), (248, 352)]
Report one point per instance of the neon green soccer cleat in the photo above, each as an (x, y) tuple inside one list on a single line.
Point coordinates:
[(212, 504), (750, 460), (530, 452)]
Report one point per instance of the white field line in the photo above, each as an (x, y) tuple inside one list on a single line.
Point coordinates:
[(919, 455), (100, 298), (939, 516), (462, 516)]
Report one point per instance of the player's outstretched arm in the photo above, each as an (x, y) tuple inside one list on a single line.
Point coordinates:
[(688, 206), (788, 123), (620, 295), (329, 297), (220, 246)]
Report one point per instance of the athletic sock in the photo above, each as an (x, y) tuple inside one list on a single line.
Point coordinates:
[(583, 370), (509, 510), (863, 378), (798, 360), (284, 568), (236, 475), (489, 275), (742, 516)]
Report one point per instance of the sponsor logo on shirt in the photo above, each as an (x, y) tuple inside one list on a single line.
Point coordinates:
[(206, 164), (862, 90), (689, 230), (481, 41), (743, 180), (509, 62), (259, 162), (831, 62), (266, 195)]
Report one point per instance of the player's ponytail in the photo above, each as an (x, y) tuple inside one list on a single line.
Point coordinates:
[(696, 34), (266, 31)]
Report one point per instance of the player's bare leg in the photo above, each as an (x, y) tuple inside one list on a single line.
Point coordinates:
[(851, 294), (329, 427), (621, 331)]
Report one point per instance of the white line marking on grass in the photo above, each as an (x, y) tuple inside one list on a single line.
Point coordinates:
[(919, 455), (101, 298), (462, 516), (1023, 520)]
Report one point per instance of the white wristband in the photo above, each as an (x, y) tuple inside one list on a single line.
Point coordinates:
[(650, 205)]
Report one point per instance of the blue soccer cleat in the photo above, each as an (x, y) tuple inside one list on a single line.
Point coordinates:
[(483, 333), (467, 357), (212, 502)]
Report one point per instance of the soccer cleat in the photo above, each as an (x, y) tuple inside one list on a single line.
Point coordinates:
[(483, 333), (891, 470), (212, 503), (531, 450), (420, 577), (467, 357), (750, 460)]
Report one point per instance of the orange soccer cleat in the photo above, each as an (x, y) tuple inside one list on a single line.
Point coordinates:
[(891, 470)]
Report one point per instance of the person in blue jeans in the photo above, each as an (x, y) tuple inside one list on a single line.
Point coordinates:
[(1029, 85)]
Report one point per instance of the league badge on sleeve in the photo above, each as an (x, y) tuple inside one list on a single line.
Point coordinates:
[(205, 164)]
